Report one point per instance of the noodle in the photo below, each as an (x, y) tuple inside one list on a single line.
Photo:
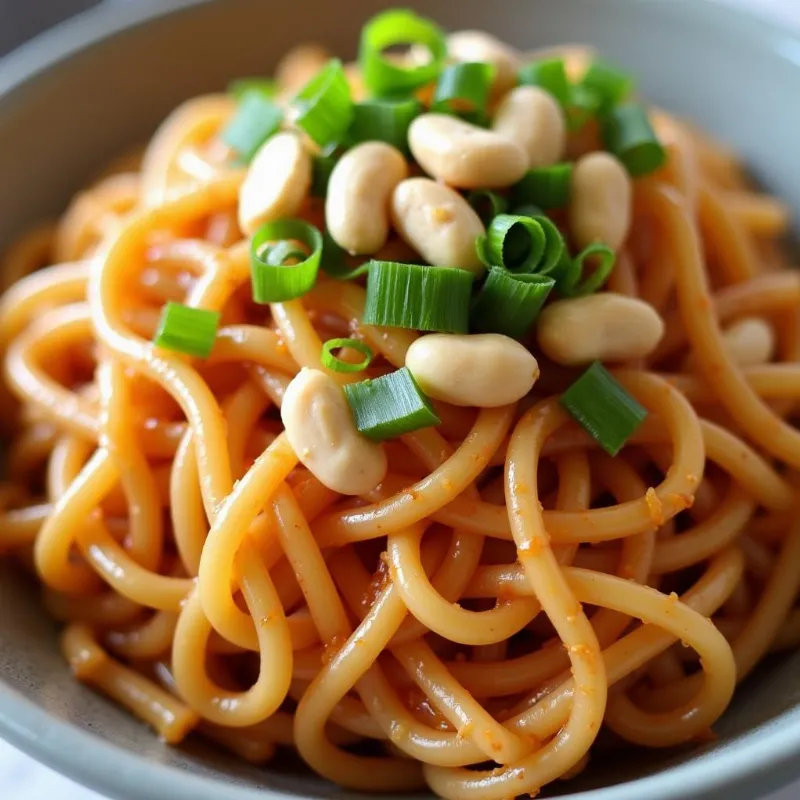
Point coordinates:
[(506, 592)]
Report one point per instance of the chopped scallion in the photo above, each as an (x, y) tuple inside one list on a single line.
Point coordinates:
[(463, 90), (272, 279), (384, 121), (323, 107), (521, 244), (611, 85), (390, 406), (627, 134), (550, 75), (509, 303), (333, 362), (256, 119), (571, 285), (545, 187), (603, 408), (416, 297), (187, 330), (487, 204), (399, 27), (584, 105)]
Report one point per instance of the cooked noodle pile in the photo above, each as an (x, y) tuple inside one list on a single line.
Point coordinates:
[(506, 592)]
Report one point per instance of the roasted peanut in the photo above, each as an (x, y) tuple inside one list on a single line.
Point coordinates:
[(277, 182), (600, 209), (604, 327), (484, 370), (359, 190), (323, 435), (533, 119), (464, 155), (438, 223)]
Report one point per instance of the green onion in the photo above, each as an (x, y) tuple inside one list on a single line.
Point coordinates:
[(384, 121), (272, 280), (527, 210), (627, 133), (392, 28), (463, 90), (584, 105), (256, 119), (323, 107), (419, 298), (321, 168), (334, 261), (187, 330), (521, 244), (572, 286), (264, 86), (330, 361), (390, 406), (610, 84), (600, 404), (550, 75), (509, 303), (487, 204), (546, 187)]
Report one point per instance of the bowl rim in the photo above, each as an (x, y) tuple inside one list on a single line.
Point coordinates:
[(766, 750)]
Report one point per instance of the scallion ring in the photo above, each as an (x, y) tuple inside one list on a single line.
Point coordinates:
[(551, 75), (545, 187), (576, 285), (463, 90), (399, 27), (487, 204), (333, 362), (521, 244), (272, 281), (611, 85), (384, 121), (256, 119)]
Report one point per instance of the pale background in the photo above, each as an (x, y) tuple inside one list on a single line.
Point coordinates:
[(21, 778)]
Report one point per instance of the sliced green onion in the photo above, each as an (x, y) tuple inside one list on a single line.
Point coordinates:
[(384, 121), (550, 75), (463, 90), (603, 408), (272, 280), (509, 303), (321, 168), (487, 204), (390, 406), (584, 105), (521, 244), (187, 330), (573, 286), (627, 133), (264, 86), (398, 27), (334, 261), (323, 107), (419, 298), (610, 84), (546, 187), (256, 119), (330, 361)]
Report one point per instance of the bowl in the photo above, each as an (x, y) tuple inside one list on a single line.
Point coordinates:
[(82, 92)]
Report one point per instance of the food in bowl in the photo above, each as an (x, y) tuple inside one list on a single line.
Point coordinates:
[(428, 415)]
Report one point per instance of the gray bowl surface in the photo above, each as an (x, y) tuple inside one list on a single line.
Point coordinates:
[(79, 94)]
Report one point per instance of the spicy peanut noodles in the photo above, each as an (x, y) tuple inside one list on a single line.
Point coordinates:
[(439, 402)]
